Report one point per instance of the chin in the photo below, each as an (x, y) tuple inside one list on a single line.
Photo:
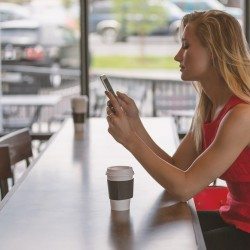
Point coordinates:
[(187, 78), (184, 77)]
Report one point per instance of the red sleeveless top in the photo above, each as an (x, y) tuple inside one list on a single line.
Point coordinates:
[(237, 209)]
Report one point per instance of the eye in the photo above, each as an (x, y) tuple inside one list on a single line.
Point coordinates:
[(185, 46)]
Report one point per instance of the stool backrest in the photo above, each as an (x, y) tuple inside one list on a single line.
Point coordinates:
[(19, 143), (5, 170)]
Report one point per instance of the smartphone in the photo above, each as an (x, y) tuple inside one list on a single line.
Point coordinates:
[(107, 84)]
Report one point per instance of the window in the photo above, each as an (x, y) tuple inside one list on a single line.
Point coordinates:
[(40, 54)]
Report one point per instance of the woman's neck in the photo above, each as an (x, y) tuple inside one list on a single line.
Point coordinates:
[(217, 90), (218, 93)]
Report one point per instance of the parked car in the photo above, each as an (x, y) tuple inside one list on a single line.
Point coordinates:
[(46, 47), (10, 11), (103, 20), (200, 5), (188, 6)]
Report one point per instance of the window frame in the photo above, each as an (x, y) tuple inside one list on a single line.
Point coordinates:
[(84, 80)]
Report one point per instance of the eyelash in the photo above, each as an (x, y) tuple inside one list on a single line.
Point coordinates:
[(184, 46)]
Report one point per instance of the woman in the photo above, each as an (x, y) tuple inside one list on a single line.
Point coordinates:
[(214, 54)]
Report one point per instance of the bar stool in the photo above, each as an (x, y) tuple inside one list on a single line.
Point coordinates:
[(211, 198), (20, 147), (5, 170)]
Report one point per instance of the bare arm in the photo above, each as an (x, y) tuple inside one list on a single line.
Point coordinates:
[(232, 137), (183, 157), (186, 152)]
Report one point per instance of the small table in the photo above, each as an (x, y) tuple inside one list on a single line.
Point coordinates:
[(27, 101)]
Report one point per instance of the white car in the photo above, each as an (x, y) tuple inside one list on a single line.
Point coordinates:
[(11, 11), (188, 6)]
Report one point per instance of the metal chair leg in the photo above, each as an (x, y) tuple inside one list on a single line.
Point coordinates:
[(4, 188)]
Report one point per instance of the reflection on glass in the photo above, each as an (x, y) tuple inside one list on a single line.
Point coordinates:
[(134, 42), (40, 53)]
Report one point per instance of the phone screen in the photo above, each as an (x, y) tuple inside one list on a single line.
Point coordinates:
[(107, 84)]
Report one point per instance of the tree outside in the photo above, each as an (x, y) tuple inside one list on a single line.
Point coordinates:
[(139, 17)]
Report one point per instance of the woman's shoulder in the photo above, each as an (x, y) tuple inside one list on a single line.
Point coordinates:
[(239, 113), (238, 119), (234, 127)]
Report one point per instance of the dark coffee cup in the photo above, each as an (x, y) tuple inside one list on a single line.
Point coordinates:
[(79, 109), (120, 186)]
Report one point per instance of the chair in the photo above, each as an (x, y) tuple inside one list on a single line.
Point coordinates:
[(12, 124), (5, 170), (183, 120), (211, 198), (24, 88), (12, 119), (20, 147)]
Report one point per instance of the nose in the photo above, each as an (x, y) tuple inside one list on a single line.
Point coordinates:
[(179, 55)]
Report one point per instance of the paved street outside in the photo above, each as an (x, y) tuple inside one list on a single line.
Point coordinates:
[(154, 45)]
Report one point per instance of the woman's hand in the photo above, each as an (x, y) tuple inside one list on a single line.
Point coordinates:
[(119, 126), (129, 107)]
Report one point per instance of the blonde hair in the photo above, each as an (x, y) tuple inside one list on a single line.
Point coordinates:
[(221, 33)]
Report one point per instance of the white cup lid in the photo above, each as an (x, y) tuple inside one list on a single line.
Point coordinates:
[(120, 171), (79, 98), (79, 104)]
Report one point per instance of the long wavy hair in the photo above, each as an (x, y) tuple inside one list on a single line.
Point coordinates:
[(221, 33)]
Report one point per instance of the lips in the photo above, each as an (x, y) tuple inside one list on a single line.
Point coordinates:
[(182, 68)]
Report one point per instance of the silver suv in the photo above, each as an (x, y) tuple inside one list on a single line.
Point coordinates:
[(37, 51), (103, 20)]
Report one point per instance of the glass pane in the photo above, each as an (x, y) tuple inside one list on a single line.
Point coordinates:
[(40, 55), (128, 41), (134, 43)]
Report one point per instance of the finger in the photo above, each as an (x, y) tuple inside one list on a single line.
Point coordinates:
[(123, 97), (111, 116), (114, 102), (110, 110), (109, 119), (109, 103)]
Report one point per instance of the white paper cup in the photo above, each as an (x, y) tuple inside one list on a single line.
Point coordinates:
[(79, 106), (119, 173), (120, 205), (120, 185)]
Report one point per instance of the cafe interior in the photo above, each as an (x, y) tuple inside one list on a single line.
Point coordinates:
[(55, 147)]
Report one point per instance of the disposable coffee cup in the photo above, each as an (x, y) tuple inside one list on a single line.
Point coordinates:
[(79, 105), (120, 186)]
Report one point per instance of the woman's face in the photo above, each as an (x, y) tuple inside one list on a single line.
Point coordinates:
[(195, 60)]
